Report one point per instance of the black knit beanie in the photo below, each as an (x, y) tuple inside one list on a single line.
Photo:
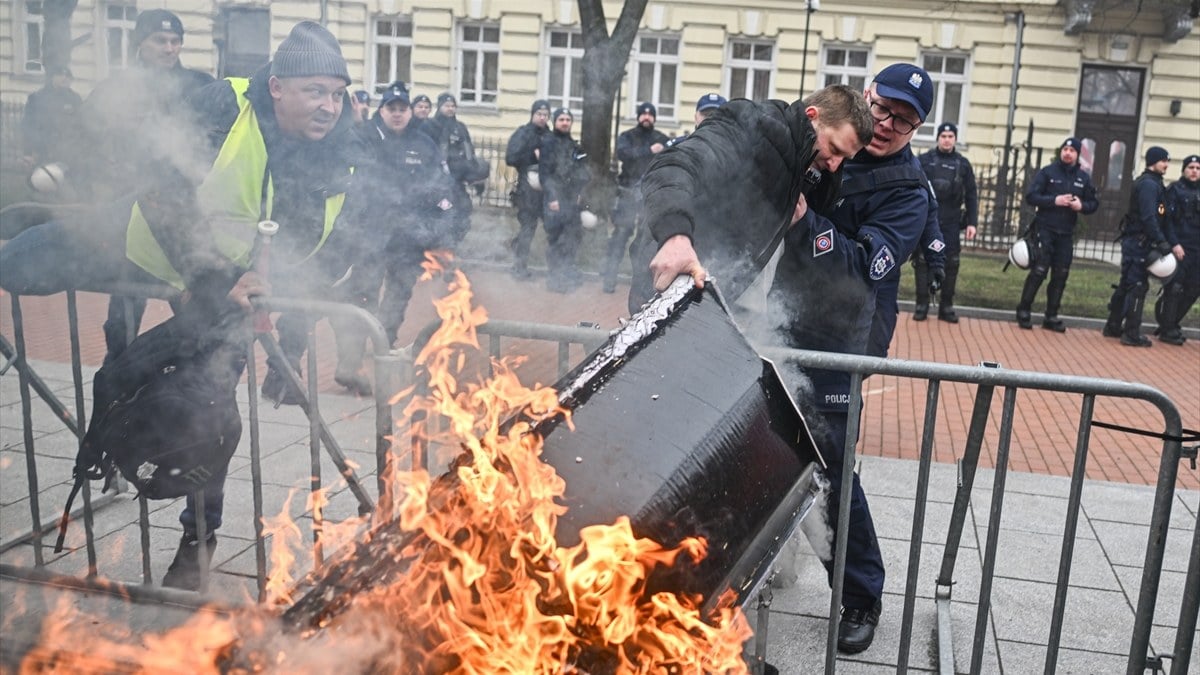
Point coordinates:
[(153, 21), (443, 97), (540, 104), (308, 51), (559, 112)]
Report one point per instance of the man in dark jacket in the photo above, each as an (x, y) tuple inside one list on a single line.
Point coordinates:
[(201, 238), (723, 199), (635, 148), (1060, 191), (835, 258), (1143, 240), (409, 213), (1183, 233), (522, 155), (953, 181), (454, 142), (128, 122), (563, 174), (48, 122)]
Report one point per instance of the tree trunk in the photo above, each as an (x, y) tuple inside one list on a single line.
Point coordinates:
[(56, 33), (604, 59)]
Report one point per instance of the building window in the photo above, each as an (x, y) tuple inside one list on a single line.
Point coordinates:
[(478, 63), (243, 39), (845, 65), (949, 73), (392, 51), (564, 69), (31, 36), (656, 62), (748, 68), (119, 20)]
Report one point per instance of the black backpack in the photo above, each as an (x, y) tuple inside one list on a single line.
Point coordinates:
[(166, 412)]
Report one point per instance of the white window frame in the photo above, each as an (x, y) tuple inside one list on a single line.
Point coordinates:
[(928, 131), (395, 44), (482, 98), (755, 68), (25, 51), (667, 110), (844, 72), (124, 26), (570, 56)]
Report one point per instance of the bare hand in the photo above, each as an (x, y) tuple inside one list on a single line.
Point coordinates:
[(971, 232), (1177, 249), (801, 209), (1075, 204), (674, 258), (553, 206), (656, 148), (250, 285), (1064, 200), (537, 152)]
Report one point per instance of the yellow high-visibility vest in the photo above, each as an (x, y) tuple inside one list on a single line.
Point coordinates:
[(236, 194)]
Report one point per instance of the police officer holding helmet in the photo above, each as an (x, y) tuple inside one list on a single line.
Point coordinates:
[(1060, 191), (1183, 228), (1142, 242), (953, 181)]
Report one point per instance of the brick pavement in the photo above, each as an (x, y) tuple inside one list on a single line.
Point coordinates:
[(1044, 427)]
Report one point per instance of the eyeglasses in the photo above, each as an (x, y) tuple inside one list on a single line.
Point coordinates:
[(882, 113)]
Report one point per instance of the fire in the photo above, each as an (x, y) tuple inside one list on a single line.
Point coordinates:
[(471, 578), (285, 537)]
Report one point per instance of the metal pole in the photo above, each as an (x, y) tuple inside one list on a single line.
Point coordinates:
[(1002, 191), (809, 9)]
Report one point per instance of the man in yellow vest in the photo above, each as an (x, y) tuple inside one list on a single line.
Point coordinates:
[(277, 147)]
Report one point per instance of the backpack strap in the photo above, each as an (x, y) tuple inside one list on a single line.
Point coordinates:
[(883, 178)]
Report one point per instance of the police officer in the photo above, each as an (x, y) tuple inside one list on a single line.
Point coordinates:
[(1142, 241), (953, 181), (409, 214), (563, 174), (1183, 233), (454, 142), (1060, 191), (705, 107), (833, 263), (48, 120), (522, 155), (635, 148)]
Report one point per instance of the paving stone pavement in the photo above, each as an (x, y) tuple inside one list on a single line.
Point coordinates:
[(1109, 550)]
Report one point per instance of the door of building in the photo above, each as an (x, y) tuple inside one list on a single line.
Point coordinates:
[(1107, 118)]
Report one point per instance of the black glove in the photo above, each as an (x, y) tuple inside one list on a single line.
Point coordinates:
[(479, 188), (937, 275), (1163, 248)]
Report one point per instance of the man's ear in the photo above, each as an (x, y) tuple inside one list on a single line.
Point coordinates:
[(812, 112), (275, 87)]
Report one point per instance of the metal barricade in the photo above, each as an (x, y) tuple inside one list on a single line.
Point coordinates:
[(387, 364)]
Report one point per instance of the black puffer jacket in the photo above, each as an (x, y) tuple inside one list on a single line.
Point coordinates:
[(732, 187), (562, 171)]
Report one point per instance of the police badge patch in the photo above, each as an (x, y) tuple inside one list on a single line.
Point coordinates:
[(937, 245), (882, 263), (823, 243)]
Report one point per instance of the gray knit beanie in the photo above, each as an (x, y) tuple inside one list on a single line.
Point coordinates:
[(308, 51)]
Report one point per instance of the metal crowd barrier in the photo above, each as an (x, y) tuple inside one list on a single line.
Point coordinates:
[(387, 365)]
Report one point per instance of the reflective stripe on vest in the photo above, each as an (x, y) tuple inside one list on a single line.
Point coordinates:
[(231, 197)]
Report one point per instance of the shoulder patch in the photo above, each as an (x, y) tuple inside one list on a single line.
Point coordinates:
[(823, 243), (937, 245), (882, 263)]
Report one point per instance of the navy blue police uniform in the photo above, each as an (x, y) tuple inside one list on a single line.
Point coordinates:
[(563, 174), (953, 181), (635, 149), (1142, 241), (1053, 227), (1183, 229), (520, 154)]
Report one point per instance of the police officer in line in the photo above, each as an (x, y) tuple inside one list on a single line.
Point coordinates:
[(1143, 240), (522, 155), (49, 117), (635, 148), (1183, 229), (563, 174), (953, 181), (409, 213), (705, 107), (468, 171), (1060, 191)]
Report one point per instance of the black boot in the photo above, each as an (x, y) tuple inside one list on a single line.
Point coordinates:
[(1112, 328), (949, 287), (921, 310), (276, 387), (1032, 283), (1054, 293), (1054, 323), (1132, 333), (184, 571), (856, 630), (946, 312)]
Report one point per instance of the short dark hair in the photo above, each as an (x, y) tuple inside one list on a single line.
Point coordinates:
[(841, 104)]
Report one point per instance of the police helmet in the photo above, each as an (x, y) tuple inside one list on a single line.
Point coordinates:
[(1162, 267), (1018, 254), (531, 175), (47, 178), (588, 220)]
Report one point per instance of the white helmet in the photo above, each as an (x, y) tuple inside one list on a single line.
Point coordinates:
[(532, 176), (1018, 254), (48, 177), (1162, 267), (588, 220)]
